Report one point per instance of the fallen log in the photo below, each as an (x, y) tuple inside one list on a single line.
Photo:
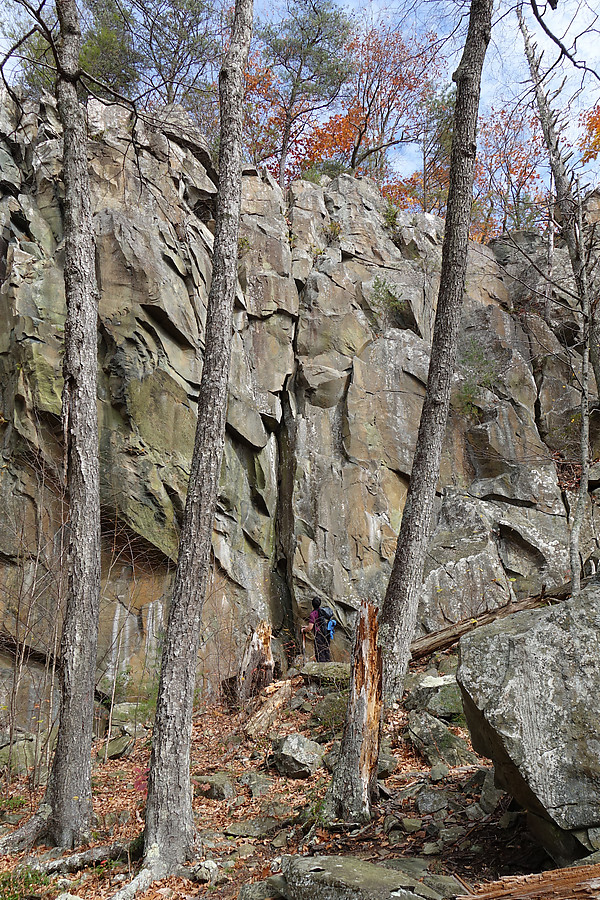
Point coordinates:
[(557, 884), (446, 637)]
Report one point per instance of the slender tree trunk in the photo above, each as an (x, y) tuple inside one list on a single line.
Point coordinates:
[(169, 830), (549, 258), (354, 783), (69, 792), (285, 146), (584, 433), (400, 605), (571, 225)]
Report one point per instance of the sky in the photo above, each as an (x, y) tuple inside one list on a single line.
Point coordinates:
[(506, 75)]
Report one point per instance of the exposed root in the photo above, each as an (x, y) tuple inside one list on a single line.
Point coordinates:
[(77, 861), (153, 870), (24, 838), (156, 868)]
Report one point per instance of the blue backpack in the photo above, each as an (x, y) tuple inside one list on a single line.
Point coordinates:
[(327, 622)]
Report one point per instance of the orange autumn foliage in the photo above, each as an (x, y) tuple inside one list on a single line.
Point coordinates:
[(508, 192), (381, 102), (590, 140)]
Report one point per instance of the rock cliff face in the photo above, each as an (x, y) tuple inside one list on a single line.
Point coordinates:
[(332, 328)]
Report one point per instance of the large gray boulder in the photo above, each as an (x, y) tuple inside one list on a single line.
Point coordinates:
[(343, 878), (531, 689), (297, 757)]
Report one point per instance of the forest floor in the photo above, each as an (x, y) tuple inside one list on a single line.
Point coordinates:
[(285, 819)]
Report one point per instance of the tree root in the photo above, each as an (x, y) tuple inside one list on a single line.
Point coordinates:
[(76, 861), (24, 837), (155, 868)]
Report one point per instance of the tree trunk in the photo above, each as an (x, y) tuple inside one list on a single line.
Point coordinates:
[(400, 605), (354, 783), (169, 829), (69, 792), (285, 146), (257, 666), (584, 432), (572, 230)]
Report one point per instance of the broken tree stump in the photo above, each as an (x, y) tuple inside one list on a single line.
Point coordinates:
[(354, 783), (256, 668)]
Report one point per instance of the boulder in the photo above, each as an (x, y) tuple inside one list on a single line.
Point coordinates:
[(343, 878), (530, 689), (439, 696), (436, 742), (297, 757), (215, 787), (333, 674)]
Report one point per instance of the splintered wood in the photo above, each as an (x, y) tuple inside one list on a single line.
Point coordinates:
[(576, 883), (280, 695)]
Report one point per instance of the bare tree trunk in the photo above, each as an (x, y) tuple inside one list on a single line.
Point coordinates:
[(283, 153), (584, 433), (549, 259), (571, 215), (400, 605), (169, 830), (69, 792), (354, 783)]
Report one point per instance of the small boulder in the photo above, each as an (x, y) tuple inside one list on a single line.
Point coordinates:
[(215, 787), (297, 757), (257, 783), (435, 741), (117, 747), (439, 695), (336, 674), (260, 827), (343, 878)]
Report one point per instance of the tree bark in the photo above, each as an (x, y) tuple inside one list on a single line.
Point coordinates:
[(571, 216), (354, 783), (400, 605), (69, 792), (169, 831), (584, 431)]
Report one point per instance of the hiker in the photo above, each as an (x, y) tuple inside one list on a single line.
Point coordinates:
[(318, 624)]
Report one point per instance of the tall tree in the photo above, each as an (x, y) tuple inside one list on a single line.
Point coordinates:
[(382, 102), (427, 188), (69, 787), (305, 52), (509, 193), (399, 609), (568, 202), (66, 812), (169, 831)]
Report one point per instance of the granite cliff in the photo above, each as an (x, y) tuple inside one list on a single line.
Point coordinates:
[(332, 330)]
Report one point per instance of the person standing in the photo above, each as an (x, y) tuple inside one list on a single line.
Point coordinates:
[(318, 624)]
